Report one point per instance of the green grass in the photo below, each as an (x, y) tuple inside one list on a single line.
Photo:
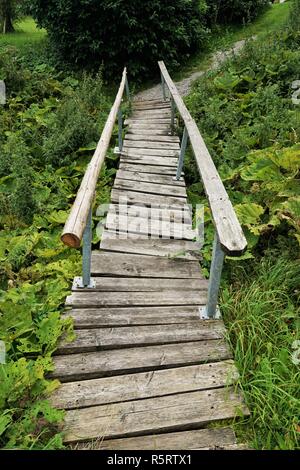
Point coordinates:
[(26, 33), (273, 19), (262, 319)]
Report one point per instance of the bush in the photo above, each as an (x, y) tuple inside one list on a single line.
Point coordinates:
[(227, 11), (121, 33)]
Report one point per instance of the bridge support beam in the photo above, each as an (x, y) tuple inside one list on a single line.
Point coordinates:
[(182, 154), (211, 311)]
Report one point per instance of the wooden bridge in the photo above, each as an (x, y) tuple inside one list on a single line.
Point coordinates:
[(149, 368)]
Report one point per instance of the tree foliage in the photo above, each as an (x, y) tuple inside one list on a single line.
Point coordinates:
[(9, 10), (119, 32), (227, 11)]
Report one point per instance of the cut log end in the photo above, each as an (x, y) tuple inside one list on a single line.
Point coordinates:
[(71, 240)]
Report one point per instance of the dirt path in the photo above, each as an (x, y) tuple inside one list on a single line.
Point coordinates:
[(184, 86)]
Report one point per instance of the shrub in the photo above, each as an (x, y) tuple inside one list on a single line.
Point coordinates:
[(121, 33), (226, 11)]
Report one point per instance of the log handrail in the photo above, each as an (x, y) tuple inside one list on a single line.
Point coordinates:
[(228, 228), (77, 220)]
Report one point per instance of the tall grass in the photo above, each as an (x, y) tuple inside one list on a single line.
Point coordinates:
[(262, 317)]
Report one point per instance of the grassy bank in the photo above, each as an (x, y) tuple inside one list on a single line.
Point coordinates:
[(252, 128), (26, 33)]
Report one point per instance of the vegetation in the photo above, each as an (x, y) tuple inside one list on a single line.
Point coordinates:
[(48, 130), (8, 13), (121, 33), (252, 128)]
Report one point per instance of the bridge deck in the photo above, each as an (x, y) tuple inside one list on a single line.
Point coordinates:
[(144, 372)]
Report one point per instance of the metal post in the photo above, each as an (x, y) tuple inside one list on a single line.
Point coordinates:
[(172, 116), (211, 311), (182, 153), (87, 282), (127, 89), (163, 87), (120, 122)]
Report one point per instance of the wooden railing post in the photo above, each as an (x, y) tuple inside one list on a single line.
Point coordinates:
[(182, 153), (211, 310)]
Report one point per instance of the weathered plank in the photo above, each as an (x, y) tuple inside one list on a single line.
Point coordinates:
[(149, 126), (144, 131), (144, 385), (150, 226), (75, 225), (153, 138), (115, 264), (133, 284), (150, 160), (90, 340), (228, 228), (183, 249), (150, 144), (153, 120), (164, 113), (150, 169), (85, 366), (139, 102), (185, 440), (150, 188), (154, 200), (131, 299), (155, 152), (87, 318), (182, 214), (148, 416)]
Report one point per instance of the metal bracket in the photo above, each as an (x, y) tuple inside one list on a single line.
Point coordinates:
[(204, 316), (175, 179), (78, 284)]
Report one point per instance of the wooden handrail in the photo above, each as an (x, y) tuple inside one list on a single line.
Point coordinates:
[(76, 223), (228, 228)]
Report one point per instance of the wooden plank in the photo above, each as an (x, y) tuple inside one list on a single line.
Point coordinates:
[(128, 316), (182, 249), (75, 225), (150, 169), (185, 440), (148, 144), (226, 222), (143, 121), (151, 107), (85, 366), (90, 340), (131, 299), (149, 114), (160, 383), (133, 284), (144, 131), (182, 214), (148, 151), (137, 125), (152, 138), (152, 415), (132, 197), (161, 228), (124, 265), (131, 158), (139, 102), (150, 188), (149, 178)]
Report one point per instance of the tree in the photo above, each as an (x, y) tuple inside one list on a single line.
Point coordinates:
[(8, 12), (122, 32), (228, 11)]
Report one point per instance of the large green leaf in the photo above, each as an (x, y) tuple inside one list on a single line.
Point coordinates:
[(249, 214)]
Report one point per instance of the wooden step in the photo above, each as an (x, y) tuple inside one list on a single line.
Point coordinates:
[(185, 440), (160, 414), (86, 318), (151, 188), (182, 214), (133, 152), (148, 169), (135, 175), (179, 249), (151, 160), (123, 388), (126, 265), (90, 340), (150, 144), (152, 138)]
